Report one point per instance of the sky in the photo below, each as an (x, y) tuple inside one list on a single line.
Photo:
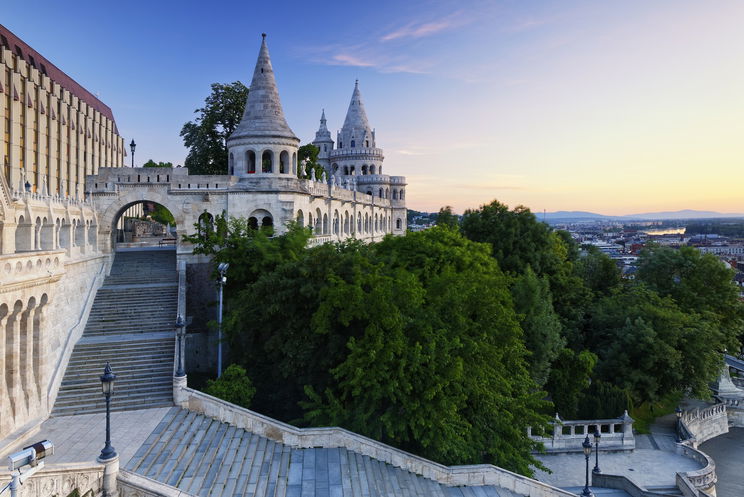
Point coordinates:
[(609, 107)]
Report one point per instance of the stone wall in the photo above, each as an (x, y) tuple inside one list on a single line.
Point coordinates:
[(61, 480), (567, 436), (45, 299), (704, 424)]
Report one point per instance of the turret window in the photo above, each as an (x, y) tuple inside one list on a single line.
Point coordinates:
[(353, 143), (251, 162), (367, 144), (267, 162)]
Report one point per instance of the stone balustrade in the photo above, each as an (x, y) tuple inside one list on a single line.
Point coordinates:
[(482, 474), (567, 436), (701, 479), (704, 424), (23, 268), (135, 485), (61, 480)]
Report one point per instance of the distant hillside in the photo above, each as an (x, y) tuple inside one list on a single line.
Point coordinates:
[(579, 216)]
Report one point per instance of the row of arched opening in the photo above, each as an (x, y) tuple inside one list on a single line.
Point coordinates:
[(23, 375), (344, 223), (363, 170), (267, 162), (385, 193), (45, 234)]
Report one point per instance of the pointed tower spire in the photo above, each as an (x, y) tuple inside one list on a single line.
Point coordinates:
[(356, 116), (263, 115)]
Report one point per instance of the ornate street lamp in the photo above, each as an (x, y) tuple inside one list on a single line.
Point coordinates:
[(587, 446), (678, 426), (132, 146), (597, 437), (107, 386), (222, 269), (180, 324)]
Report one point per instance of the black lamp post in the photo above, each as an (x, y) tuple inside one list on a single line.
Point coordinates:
[(107, 386), (587, 446), (678, 426), (132, 146), (222, 269), (179, 336), (597, 437)]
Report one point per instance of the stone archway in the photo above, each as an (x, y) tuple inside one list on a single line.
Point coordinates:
[(112, 212)]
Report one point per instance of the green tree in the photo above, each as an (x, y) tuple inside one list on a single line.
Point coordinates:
[(541, 325), (698, 283), (447, 218), (517, 237), (162, 215), (206, 136), (152, 163), (234, 386), (650, 347), (569, 378), (309, 154), (599, 273)]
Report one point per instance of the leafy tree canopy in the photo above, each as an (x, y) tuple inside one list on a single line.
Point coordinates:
[(447, 218), (206, 136), (152, 163), (309, 154), (234, 386)]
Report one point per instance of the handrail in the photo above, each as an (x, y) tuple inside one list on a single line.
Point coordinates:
[(336, 437)]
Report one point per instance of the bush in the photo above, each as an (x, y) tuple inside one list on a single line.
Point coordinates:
[(233, 386)]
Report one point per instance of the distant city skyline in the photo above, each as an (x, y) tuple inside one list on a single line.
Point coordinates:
[(612, 108)]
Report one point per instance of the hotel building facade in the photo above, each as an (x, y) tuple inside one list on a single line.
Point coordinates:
[(54, 132)]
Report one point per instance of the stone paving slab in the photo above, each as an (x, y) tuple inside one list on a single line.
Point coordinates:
[(80, 438), (646, 467)]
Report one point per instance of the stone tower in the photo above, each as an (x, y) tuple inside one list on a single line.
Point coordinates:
[(356, 153), (263, 143), (324, 142)]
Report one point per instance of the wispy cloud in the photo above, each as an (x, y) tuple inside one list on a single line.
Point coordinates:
[(342, 59), (369, 56), (413, 30), (525, 25)]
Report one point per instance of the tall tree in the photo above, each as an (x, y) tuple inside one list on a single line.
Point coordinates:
[(447, 218), (309, 154), (206, 136)]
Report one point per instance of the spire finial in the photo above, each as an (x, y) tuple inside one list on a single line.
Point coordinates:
[(356, 83), (263, 35)]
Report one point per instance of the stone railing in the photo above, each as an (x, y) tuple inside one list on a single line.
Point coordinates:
[(704, 424), (567, 436), (61, 480), (292, 436), (701, 479), (319, 240), (4, 192), (134, 485), (23, 267), (621, 482)]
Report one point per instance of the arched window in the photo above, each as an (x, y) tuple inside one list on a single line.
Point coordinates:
[(364, 169), (206, 222), (353, 168), (402, 194), (301, 218), (318, 222), (250, 159), (336, 223), (267, 162), (353, 143), (395, 194), (359, 223), (267, 222), (310, 220), (398, 224), (366, 143), (377, 224), (369, 191), (231, 165), (284, 162), (335, 168), (381, 193), (253, 223), (325, 224), (294, 163), (387, 192), (372, 169), (346, 170), (347, 228)]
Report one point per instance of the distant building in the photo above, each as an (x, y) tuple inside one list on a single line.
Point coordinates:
[(53, 131)]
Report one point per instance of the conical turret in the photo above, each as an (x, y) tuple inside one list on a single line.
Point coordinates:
[(263, 115), (356, 132)]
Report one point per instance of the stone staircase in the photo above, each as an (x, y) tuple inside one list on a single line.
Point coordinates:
[(131, 325), (205, 457)]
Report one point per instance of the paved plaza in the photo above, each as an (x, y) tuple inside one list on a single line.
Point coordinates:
[(80, 438)]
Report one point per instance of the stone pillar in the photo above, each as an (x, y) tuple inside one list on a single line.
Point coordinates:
[(8, 234), (110, 473), (41, 373), (13, 362), (4, 400), (27, 358), (179, 395)]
